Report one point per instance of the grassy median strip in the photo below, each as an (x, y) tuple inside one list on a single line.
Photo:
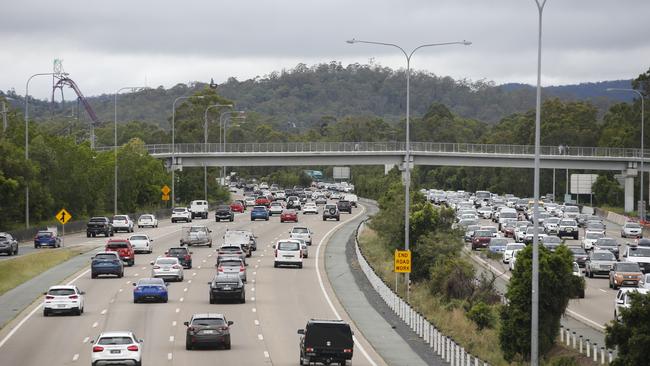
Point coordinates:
[(16, 271)]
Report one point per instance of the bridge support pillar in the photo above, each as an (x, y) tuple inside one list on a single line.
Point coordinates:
[(388, 168), (629, 175)]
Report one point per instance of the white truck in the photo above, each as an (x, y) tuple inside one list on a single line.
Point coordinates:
[(199, 208), (196, 235)]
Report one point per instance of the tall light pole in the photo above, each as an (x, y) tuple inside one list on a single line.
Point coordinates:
[(407, 159), (641, 206), (27, 138), (534, 324), (241, 116), (133, 89), (205, 142), (174, 143)]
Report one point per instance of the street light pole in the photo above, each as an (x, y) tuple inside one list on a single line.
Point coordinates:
[(174, 143), (407, 158), (534, 326), (225, 123), (27, 140), (133, 89), (641, 206), (205, 142)]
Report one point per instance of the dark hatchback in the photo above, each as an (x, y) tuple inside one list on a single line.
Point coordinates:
[(183, 254), (227, 286), (579, 255), (344, 206), (326, 341), (224, 212), (106, 263), (206, 330)]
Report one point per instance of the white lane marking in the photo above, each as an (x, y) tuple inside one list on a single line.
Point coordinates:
[(209, 255), (322, 285), (178, 310), (253, 298), (104, 311), (171, 338), (254, 310), (199, 267), (189, 281), (266, 354), (602, 290), (128, 282), (257, 266), (85, 340), (144, 268), (260, 337), (112, 301), (204, 261), (261, 255), (253, 289), (174, 323), (253, 280), (259, 260), (75, 357), (95, 324), (181, 299), (254, 273), (194, 274), (136, 275), (120, 290), (257, 322), (185, 289), (169, 356)]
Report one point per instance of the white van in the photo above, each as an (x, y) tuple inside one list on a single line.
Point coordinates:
[(199, 208), (505, 214), (287, 252), (352, 198)]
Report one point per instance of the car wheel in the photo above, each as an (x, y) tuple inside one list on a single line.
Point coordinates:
[(94, 235), (188, 346), (92, 275), (87, 235), (226, 345), (591, 274), (266, 219), (78, 311), (338, 219), (138, 363), (112, 233), (281, 221), (121, 274), (275, 265), (610, 283), (242, 300), (212, 300), (135, 301), (300, 265)]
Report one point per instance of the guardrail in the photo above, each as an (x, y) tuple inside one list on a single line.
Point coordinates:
[(585, 346), (443, 346), (392, 147)]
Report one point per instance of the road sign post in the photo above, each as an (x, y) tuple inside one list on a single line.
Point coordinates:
[(63, 217), (165, 192), (402, 264)]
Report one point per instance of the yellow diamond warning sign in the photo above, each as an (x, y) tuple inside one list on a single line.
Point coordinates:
[(165, 190), (63, 216), (402, 261)]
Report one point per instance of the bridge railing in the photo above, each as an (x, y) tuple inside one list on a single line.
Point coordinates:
[(419, 147)]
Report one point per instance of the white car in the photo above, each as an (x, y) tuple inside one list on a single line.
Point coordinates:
[(485, 212), (141, 243), (181, 214), (510, 249), (631, 230), (167, 268), (645, 281), (352, 198), (513, 260), (622, 300), (59, 299), (520, 231), (276, 208), (250, 201), (199, 208), (590, 239), (116, 347), (122, 222), (640, 255), (147, 220), (310, 208), (301, 232), (287, 252)]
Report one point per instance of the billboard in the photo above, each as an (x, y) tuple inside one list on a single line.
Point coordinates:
[(341, 172), (581, 183)]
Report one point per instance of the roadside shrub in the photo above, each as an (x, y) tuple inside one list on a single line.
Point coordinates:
[(564, 361), (481, 314), (453, 278)]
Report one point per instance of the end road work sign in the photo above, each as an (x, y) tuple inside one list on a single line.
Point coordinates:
[(402, 261)]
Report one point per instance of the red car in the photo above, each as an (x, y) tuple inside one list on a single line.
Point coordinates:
[(481, 239), (237, 206), (123, 248), (289, 215), (262, 201)]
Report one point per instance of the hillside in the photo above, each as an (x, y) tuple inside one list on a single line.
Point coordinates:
[(305, 95)]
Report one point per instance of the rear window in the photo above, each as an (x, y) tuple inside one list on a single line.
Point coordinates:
[(176, 251), (231, 263), (633, 225), (639, 252), (61, 292), (151, 281), (146, 217), (208, 322), (106, 256), (119, 217), (288, 245), (98, 219), (300, 230), (107, 341), (166, 261), (321, 334), (138, 237), (179, 210), (117, 245), (41, 234), (223, 207)]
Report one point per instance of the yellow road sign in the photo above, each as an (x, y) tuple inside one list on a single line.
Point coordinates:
[(165, 197), (165, 190), (63, 216), (402, 261)]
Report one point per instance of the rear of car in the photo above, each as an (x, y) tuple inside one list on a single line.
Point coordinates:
[(289, 215), (326, 341), (183, 254), (199, 208), (181, 214), (123, 248), (227, 286), (625, 274), (167, 268), (287, 253), (232, 250), (8, 244), (106, 263), (232, 265), (301, 232), (276, 208), (63, 299), (259, 213), (117, 348), (150, 289), (331, 212), (99, 225), (237, 206), (344, 206), (141, 243), (122, 223), (147, 220), (47, 238), (207, 330)]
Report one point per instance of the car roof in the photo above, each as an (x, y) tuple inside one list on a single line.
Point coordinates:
[(115, 333), (63, 287), (208, 316)]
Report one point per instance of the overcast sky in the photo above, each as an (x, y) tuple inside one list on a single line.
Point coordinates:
[(110, 44)]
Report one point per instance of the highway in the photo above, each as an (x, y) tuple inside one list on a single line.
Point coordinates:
[(279, 301)]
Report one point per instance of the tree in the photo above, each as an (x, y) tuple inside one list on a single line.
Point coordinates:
[(631, 336), (557, 285), (607, 191)]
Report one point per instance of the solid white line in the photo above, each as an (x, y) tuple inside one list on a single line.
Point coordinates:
[(322, 285), (75, 357)]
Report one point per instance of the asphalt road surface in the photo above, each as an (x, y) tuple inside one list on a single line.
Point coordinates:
[(279, 301)]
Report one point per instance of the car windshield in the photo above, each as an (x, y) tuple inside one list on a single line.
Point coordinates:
[(166, 261), (146, 217), (177, 251), (98, 219), (108, 341), (571, 209), (61, 292), (259, 208), (138, 237), (119, 217), (288, 245), (223, 207), (639, 252), (628, 267), (606, 242), (106, 256), (596, 226), (208, 322), (151, 281), (300, 230), (498, 242), (603, 256), (632, 225), (196, 229)]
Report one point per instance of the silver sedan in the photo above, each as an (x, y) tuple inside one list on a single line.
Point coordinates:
[(167, 268)]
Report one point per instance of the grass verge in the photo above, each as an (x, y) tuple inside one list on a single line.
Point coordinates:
[(21, 269)]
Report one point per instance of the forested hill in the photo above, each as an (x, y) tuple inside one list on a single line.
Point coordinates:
[(305, 95)]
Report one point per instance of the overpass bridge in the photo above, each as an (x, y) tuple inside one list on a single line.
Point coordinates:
[(626, 161)]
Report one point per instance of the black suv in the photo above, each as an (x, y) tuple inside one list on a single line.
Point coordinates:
[(344, 206), (326, 341), (183, 254), (99, 225), (224, 212), (227, 286), (331, 212)]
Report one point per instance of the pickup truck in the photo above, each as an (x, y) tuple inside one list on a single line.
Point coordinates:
[(99, 225)]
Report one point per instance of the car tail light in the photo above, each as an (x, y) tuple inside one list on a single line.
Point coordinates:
[(223, 328), (347, 350), (242, 268), (49, 297), (187, 257), (98, 349), (156, 267), (309, 349), (73, 297), (220, 269), (133, 348), (176, 266)]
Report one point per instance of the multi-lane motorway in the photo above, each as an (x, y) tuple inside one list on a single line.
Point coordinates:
[(279, 301)]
